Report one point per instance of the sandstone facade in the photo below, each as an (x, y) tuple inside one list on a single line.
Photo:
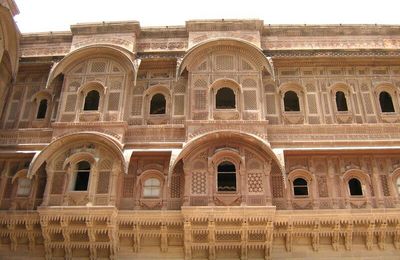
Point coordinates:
[(218, 139)]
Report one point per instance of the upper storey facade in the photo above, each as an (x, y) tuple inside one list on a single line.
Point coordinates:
[(207, 70)]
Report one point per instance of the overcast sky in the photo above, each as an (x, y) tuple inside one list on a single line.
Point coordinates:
[(58, 15)]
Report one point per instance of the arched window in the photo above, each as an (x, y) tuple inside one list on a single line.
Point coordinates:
[(226, 180), (341, 102), (82, 176), (398, 185), (385, 100), (225, 99), (291, 101), (157, 104), (41, 113), (300, 187), (92, 100), (151, 187), (355, 187)]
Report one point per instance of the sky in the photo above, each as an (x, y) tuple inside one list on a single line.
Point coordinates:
[(58, 15)]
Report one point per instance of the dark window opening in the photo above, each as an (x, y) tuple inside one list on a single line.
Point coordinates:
[(225, 99), (341, 102), (355, 187), (300, 187), (82, 176), (41, 113), (92, 101), (291, 101), (385, 100), (226, 177), (157, 104)]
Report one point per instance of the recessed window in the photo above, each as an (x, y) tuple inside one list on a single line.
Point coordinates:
[(300, 187), (41, 113), (158, 105), (24, 187), (355, 187), (225, 99), (291, 101), (82, 176), (341, 102), (92, 100), (385, 100), (226, 177), (398, 185), (151, 187)]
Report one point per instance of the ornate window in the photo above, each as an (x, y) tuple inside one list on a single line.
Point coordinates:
[(341, 102), (398, 185), (42, 109), (355, 187), (24, 187), (92, 100), (225, 99), (158, 105), (226, 177), (151, 188), (291, 101), (81, 176), (385, 102), (300, 187)]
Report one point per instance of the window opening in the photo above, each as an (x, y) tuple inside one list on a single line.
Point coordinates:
[(226, 180), (151, 188), (291, 101), (157, 104), (385, 100), (82, 176), (300, 187), (92, 101), (225, 99), (41, 113), (341, 102), (355, 187)]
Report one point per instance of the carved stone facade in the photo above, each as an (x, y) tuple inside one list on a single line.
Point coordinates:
[(220, 139)]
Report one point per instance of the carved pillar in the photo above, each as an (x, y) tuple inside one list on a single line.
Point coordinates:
[(331, 184), (396, 236), (315, 236), (211, 239), (382, 235), (269, 236), (136, 238), (187, 236), (243, 190), (13, 237), (187, 184), (113, 184), (211, 185), (267, 182), (288, 237), (348, 239), (31, 236), (244, 239), (335, 236), (375, 181), (164, 238), (94, 175), (49, 183), (369, 240)]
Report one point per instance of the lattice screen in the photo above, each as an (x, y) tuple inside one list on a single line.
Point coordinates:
[(250, 100), (98, 66), (113, 101), (200, 99), (255, 182), (179, 105), (128, 185), (270, 102), (224, 62), (249, 83), (199, 183), (70, 103), (200, 83), (175, 186), (137, 105), (103, 182)]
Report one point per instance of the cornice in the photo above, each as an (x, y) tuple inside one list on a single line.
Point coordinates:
[(330, 30)]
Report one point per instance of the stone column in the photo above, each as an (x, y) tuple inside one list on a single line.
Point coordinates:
[(376, 184), (49, 183), (332, 184)]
